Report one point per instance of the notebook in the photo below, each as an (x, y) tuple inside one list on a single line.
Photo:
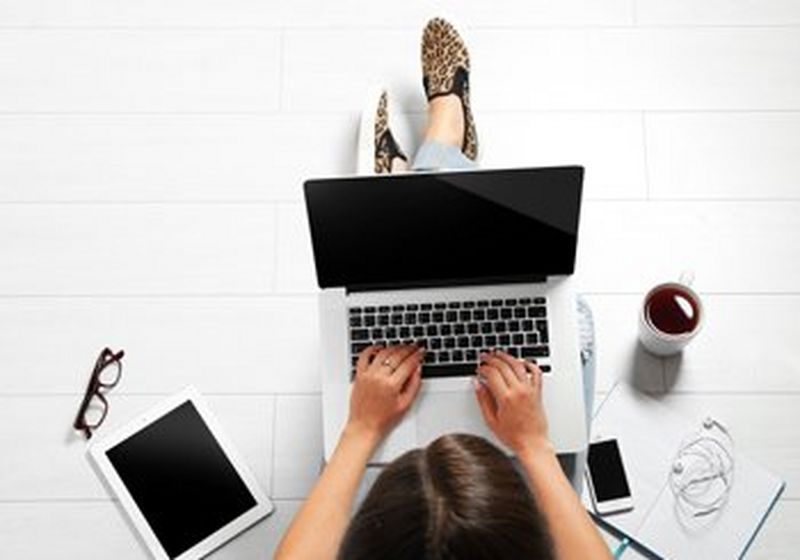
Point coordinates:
[(650, 435)]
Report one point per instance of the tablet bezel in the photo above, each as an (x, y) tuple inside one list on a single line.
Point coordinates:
[(97, 453)]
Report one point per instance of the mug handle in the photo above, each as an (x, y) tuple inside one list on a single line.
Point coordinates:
[(686, 278)]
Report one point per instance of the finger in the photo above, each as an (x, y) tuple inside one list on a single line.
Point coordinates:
[(534, 374), (412, 388), (505, 370), (515, 364), (381, 357), (365, 357), (408, 366), (494, 381), (486, 403)]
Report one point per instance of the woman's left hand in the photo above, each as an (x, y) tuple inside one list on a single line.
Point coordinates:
[(386, 383)]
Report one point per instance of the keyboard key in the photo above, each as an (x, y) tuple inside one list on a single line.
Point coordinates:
[(541, 325), (471, 355), (511, 302), (355, 320), (451, 316), (377, 332), (513, 326), (458, 355), (479, 315), (439, 305), (390, 332), (426, 307), (465, 316), (497, 302), (398, 308), (430, 358), (476, 341), (537, 311), (383, 309), (463, 342), (483, 303), (527, 325), (539, 301), (383, 319), (525, 301), (454, 305), (518, 339), (421, 343), (490, 341), (443, 357), (405, 332), (513, 351), (418, 331), (449, 342), (486, 327), (355, 310), (424, 317), (473, 328), (438, 317), (357, 347), (412, 307), (504, 340), (448, 370), (382, 342), (411, 318), (369, 320), (445, 330), (435, 343), (500, 327), (432, 330), (468, 304), (359, 334), (493, 314), (394, 342), (397, 318), (532, 338), (519, 312), (505, 313), (535, 352), (459, 328), (408, 341), (545, 368)]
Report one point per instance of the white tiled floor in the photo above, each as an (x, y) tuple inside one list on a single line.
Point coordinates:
[(151, 161)]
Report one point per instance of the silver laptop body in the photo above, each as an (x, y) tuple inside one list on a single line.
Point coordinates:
[(538, 317)]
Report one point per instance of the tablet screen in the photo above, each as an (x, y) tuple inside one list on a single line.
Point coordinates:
[(181, 479)]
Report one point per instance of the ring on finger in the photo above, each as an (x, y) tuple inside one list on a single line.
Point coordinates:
[(388, 363)]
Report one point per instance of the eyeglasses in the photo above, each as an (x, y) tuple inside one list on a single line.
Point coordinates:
[(105, 376)]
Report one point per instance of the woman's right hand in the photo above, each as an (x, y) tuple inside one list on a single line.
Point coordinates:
[(509, 393)]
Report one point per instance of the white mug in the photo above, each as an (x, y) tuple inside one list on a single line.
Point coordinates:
[(658, 341)]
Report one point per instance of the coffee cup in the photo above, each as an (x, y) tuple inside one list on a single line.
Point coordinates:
[(671, 315)]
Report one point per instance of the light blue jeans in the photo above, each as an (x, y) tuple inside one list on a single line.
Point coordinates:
[(433, 156)]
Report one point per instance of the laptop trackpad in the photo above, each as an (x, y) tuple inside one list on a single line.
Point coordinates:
[(443, 413)]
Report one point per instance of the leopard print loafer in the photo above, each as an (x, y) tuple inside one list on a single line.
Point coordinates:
[(445, 71), (386, 148)]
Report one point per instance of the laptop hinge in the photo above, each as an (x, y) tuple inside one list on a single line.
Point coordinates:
[(521, 279)]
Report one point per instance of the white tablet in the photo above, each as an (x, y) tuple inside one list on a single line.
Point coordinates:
[(179, 479)]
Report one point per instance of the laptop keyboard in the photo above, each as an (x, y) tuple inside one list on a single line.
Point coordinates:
[(455, 332)]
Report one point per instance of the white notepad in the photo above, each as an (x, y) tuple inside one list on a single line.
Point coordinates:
[(650, 435)]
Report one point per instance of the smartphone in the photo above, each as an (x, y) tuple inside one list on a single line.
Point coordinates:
[(605, 473)]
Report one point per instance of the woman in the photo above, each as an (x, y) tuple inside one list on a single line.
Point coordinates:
[(460, 497)]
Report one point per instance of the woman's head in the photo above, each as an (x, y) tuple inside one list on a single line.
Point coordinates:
[(460, 497)]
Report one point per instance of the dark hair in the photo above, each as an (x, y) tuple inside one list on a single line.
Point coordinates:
[(460, 497)]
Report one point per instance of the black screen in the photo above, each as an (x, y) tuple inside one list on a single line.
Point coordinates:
[(180, 479), (608, 475), (429, 229)]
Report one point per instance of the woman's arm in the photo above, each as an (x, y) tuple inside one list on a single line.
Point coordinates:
[(511, 402), (386, 383)]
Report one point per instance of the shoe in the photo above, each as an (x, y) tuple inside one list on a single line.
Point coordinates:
[(377, 145), (445, 71)]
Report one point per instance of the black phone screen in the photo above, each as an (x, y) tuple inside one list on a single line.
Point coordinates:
[(606, 470)]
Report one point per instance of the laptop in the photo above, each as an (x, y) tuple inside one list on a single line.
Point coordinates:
[(459, 262)]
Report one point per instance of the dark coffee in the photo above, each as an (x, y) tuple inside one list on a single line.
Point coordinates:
[(672, 310)]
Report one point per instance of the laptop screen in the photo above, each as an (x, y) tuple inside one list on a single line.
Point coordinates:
[(445, 228)]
